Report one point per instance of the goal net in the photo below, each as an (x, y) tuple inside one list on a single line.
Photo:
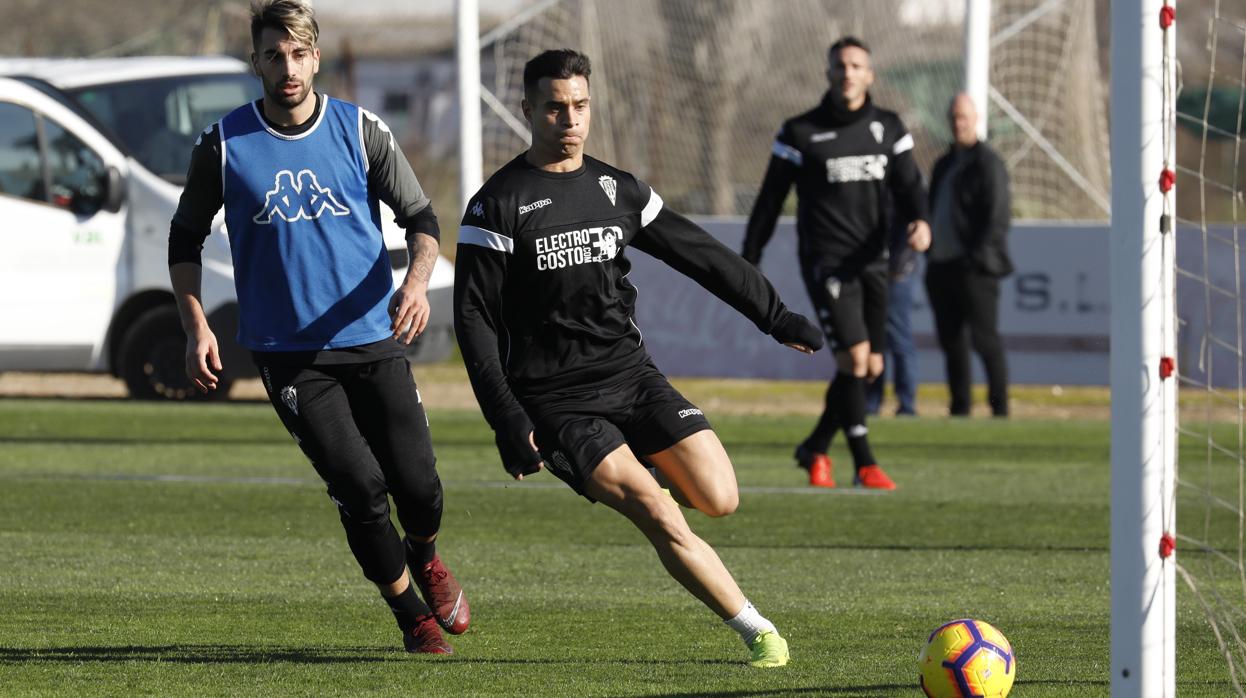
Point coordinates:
[(1211, 176), (689, 94)]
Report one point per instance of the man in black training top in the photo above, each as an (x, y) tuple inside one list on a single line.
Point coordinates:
[(544, 315), (300, 175), (845, 156)]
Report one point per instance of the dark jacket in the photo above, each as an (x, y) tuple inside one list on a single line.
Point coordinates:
[(983, 210)]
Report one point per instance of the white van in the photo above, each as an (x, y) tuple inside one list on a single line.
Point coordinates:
[(93, 157)]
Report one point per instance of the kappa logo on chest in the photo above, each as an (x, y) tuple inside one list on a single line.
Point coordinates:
[(301, 197)]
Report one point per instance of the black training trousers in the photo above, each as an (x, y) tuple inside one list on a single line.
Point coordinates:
[(965, 302), (364, 430)]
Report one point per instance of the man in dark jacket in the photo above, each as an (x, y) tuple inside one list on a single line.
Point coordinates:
[(968, 255)]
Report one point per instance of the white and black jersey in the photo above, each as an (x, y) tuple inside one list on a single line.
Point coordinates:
[(542, 298), (848, 167)]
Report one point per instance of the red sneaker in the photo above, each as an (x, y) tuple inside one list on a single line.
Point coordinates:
[(820, 471), (873, 477), (444, 596), (426, 638)]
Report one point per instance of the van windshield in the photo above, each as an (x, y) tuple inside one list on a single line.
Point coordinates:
[(159, 120)]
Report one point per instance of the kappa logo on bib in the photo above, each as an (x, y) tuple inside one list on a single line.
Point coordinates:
[(298, 198)]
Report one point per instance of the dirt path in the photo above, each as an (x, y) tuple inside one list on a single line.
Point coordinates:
[(446, 386)]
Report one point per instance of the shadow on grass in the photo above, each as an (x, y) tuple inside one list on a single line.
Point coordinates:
[(481, 441), (885, 689), (871, 691), (244, 654), (922, 547), (198, 654), (143, 440)]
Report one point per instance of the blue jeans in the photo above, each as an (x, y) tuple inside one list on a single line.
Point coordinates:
[(902, 362)]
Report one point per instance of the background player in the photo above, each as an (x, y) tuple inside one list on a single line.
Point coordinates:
[(544, 314), (843, 155), (968, 255), (299, 175)]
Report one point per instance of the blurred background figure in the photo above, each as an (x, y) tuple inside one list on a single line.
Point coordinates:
[(849, 160), (968, 255), (900, 356)]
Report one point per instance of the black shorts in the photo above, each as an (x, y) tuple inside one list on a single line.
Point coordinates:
[(576, 428), (851, 308)]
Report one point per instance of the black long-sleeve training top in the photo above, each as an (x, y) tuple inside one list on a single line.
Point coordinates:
[(844, 164), (542, 299)]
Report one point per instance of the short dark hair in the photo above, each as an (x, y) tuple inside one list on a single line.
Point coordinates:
[(845, 42), (559, 64)]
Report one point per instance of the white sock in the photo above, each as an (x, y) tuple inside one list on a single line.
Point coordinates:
[(749, 624)]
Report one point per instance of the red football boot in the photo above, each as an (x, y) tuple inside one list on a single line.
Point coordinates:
[(820, 471), (444, 596), (873, 477), (426, 638)]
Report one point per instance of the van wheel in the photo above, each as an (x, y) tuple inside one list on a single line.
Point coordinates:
[(152, 360)]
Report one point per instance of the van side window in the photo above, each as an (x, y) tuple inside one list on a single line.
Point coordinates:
[(78, 175), (159, 120), (20, 171)]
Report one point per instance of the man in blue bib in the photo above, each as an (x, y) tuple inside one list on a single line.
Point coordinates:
[(300, 176)]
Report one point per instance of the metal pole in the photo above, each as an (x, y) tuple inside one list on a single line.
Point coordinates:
[(978, 57), (1143, 397), (467, 47)]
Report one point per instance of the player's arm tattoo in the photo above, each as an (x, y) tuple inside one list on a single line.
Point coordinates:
[(422, 253)]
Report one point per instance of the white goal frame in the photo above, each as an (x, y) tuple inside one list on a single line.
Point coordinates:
[(1143, 329)]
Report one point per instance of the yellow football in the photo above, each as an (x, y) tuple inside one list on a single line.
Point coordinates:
[(967, 659)]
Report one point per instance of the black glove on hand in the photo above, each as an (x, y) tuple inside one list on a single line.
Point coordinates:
[(515, 446), (793, 328)]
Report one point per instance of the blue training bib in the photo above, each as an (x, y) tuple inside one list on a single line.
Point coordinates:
[(310, 265)]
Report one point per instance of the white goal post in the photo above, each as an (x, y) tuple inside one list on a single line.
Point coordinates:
[(1144, 384)]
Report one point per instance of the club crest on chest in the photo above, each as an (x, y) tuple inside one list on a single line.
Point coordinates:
[(876, 129), (609, 186)]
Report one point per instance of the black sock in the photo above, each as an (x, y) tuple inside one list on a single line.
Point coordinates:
[(852, 404), (420, 553), (824, 431), (409, 609)]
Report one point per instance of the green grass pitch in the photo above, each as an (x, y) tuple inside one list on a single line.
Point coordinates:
[(190, 550)]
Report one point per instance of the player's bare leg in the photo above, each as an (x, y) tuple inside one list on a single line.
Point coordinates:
[(874, 367), (622, 483), (699, 474), (856, 360)]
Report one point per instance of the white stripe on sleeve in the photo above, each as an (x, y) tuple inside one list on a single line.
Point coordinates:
[(903, 144), (362, 147), (787, 152), (471, 235), (220, 130), (652, 209)]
